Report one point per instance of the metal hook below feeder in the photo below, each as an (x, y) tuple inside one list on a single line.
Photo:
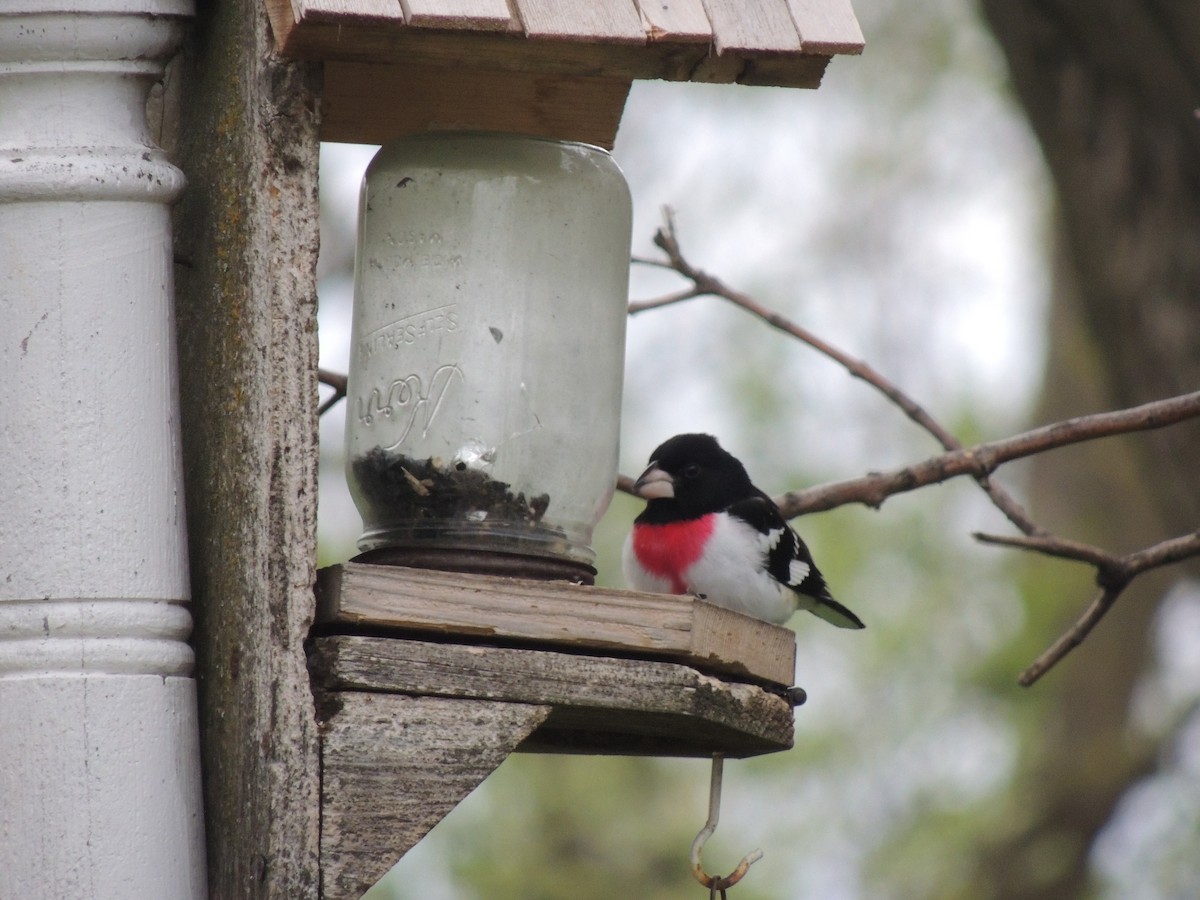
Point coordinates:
[(717, 883)]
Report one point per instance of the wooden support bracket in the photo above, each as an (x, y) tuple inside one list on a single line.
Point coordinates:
[(450, 673), (392, 767)]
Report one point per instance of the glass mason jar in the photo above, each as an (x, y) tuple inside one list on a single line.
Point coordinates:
[(490, 293)]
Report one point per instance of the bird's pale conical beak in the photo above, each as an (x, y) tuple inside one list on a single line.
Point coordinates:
[(654, 484)]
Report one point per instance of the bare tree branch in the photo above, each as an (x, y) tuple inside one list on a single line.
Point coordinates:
[(336, 381), (1113, 573), (1071, 638), (1163, 554), (982, 459), (706, 284), (643, 305), (1050, 546)]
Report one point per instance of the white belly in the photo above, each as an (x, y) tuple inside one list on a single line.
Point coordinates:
[(731, 574)]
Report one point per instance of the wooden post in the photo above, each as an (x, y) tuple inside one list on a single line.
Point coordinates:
[(246, 272), (100, 792)]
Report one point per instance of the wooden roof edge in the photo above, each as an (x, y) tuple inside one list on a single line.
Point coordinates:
[(827, 27), (659, 61), (363, 29)]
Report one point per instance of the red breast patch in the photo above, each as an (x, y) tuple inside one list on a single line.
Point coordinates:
[(668, 551)]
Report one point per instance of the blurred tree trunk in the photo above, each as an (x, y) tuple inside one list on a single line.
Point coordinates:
[(1110, 88)]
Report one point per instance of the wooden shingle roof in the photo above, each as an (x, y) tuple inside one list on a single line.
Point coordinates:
[(513, 51)]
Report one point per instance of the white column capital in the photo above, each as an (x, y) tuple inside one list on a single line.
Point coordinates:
[(73, 81)]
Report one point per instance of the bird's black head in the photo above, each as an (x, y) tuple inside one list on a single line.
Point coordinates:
[(690, 476)]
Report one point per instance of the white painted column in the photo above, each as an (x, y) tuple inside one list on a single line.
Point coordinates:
[(99, 756)]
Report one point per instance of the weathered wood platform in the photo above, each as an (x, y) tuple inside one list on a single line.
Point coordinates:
[(595, 704), (559, 615), (448, 674)]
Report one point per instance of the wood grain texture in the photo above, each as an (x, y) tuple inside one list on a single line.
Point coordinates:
[(246, 250), (600, 704), (776, 71), (355, 41), (381, 11), (392, 767), (466, 15), (582, 20), (759, 42), (752, 26), (827, 26), (357, 108), (675, 20), (562, 615)]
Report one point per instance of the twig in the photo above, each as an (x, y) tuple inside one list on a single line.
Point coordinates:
[(1071, 638), (706, 284), (1113, 573), (642, 305), (1163, 554), (1050, 546), (873, 489), (336, 381)]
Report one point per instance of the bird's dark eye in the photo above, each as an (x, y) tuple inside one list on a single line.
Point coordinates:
[(691, 471)]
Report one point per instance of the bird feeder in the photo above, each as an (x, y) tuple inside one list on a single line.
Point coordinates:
[(336, 726), (488, 346), (482, 403)]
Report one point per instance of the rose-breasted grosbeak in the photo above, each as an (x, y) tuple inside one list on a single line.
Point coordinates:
[(707, 530)]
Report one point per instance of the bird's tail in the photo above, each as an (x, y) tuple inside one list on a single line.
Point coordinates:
[(835, 614)]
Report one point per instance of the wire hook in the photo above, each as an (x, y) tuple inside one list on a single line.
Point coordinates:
[(717, 883)]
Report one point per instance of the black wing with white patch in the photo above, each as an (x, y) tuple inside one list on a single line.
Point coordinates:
[(789, 561)]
